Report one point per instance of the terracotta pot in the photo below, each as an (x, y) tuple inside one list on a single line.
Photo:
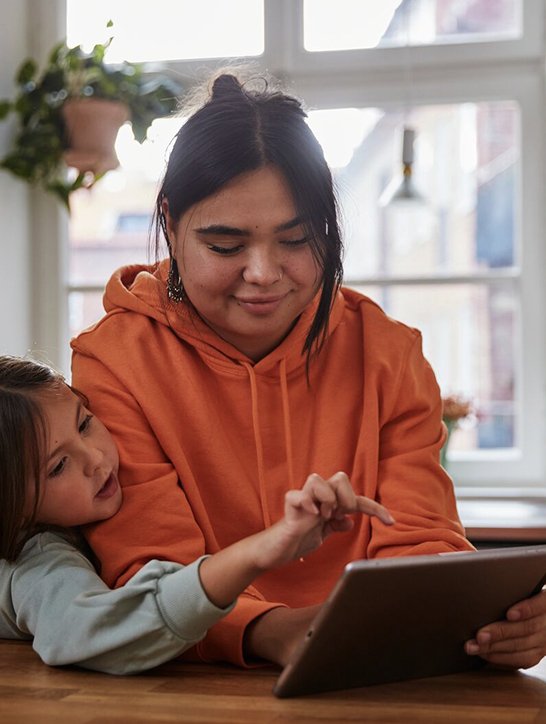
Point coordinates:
[(91, 127)]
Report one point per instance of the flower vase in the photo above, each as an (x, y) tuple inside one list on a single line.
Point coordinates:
[(450, 425)]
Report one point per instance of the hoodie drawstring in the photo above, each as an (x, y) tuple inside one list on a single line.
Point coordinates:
[(258, 436), (258, 441), (287, 426)]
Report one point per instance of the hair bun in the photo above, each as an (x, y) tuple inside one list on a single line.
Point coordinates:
[(225, 84)]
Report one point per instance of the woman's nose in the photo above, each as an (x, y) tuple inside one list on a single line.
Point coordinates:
[(262, 268)]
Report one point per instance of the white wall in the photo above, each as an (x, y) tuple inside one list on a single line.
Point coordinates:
[(15, 267), (32, 224)]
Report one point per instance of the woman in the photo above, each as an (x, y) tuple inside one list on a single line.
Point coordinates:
[(234, 369)]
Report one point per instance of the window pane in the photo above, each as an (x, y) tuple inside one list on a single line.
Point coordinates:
[(352, 24), (466, 168), (84, 309), (469, 334), (169, 29), (109, 225)]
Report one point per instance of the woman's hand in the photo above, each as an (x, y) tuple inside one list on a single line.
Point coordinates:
[(275, 635), (311, 514), (519, 642)]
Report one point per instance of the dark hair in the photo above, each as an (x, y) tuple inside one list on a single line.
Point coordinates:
[(242, 128), (23, 437)]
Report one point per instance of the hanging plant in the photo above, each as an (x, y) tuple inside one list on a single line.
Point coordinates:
[(78, 98)]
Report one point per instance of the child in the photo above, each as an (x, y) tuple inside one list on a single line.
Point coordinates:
[(58, 469)]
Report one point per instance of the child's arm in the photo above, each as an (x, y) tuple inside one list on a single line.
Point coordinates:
[(53, 594), (313, 513)]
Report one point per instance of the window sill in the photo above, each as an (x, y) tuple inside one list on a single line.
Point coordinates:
[(504, 519)]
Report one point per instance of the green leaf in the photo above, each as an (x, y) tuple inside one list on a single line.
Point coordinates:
[(56, 52), (61, 190), (26, 72), (77, 183), (5, 108), (140, 129), (98, 53), (23, 105), (110, 24), (17, 166)]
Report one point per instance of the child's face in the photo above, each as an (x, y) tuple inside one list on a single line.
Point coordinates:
[(80, 483)]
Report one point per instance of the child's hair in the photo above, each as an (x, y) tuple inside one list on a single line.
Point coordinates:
[(23, 440)]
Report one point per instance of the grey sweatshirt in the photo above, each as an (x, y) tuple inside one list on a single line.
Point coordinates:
[(53, 594)]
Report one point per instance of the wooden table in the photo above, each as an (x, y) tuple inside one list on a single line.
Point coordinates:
[(32, 693)]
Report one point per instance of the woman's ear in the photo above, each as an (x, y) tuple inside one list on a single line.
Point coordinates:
[(168, 223)]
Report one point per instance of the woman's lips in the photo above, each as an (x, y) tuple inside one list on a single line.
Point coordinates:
[(109, 488), (260, 305)]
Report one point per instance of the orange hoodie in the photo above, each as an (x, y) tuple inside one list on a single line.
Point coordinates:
[(210, 441)]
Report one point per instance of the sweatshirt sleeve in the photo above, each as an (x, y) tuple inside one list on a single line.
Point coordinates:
[(411, 483), (59, 599), (155, 520)]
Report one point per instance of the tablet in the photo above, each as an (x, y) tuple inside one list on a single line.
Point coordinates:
[(407, 618)]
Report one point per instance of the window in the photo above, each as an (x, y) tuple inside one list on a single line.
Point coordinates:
[(353, 24), (467, 171), (170, 29), (465, 265)]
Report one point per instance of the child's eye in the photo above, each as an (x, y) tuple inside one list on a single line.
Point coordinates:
[(225, 250), (58, 469), (84, 427)]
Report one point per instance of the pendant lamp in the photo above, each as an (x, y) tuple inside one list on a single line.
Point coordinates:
[(402, 190)]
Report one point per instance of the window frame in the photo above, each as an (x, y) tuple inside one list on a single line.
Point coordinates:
[(456, 72)]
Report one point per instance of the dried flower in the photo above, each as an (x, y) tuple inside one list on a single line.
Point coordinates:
[(455, 408)]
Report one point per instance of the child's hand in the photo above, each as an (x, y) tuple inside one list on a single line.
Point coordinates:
[(313, 513)]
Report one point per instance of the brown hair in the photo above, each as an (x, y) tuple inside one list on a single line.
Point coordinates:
[(23, 437), (241, 128)]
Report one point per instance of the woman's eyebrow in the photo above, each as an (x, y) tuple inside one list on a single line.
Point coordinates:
[(296, 221), (223, 230)]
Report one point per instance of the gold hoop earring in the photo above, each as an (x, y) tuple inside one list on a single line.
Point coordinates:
[(175, 288)]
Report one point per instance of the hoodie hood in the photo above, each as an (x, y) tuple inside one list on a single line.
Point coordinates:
[(141, 289)]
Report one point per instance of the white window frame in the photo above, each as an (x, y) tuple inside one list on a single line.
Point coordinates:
[(452, 73)]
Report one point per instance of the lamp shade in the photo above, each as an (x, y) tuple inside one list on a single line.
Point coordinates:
[(402, 189)]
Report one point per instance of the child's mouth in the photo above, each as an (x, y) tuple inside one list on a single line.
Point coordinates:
[(109, 487)]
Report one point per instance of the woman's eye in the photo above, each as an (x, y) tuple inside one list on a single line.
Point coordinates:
[(58, 469), (296, 242), (225, 250), (84, 427)]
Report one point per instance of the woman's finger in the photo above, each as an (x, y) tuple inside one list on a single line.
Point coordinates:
[(503, 630), (531, 607), (520, 660), (508, 646)]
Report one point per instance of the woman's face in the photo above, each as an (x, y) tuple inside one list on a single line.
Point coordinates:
[(245, 261)]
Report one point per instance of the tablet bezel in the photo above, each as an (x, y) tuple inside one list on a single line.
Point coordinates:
[(422, 610)]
